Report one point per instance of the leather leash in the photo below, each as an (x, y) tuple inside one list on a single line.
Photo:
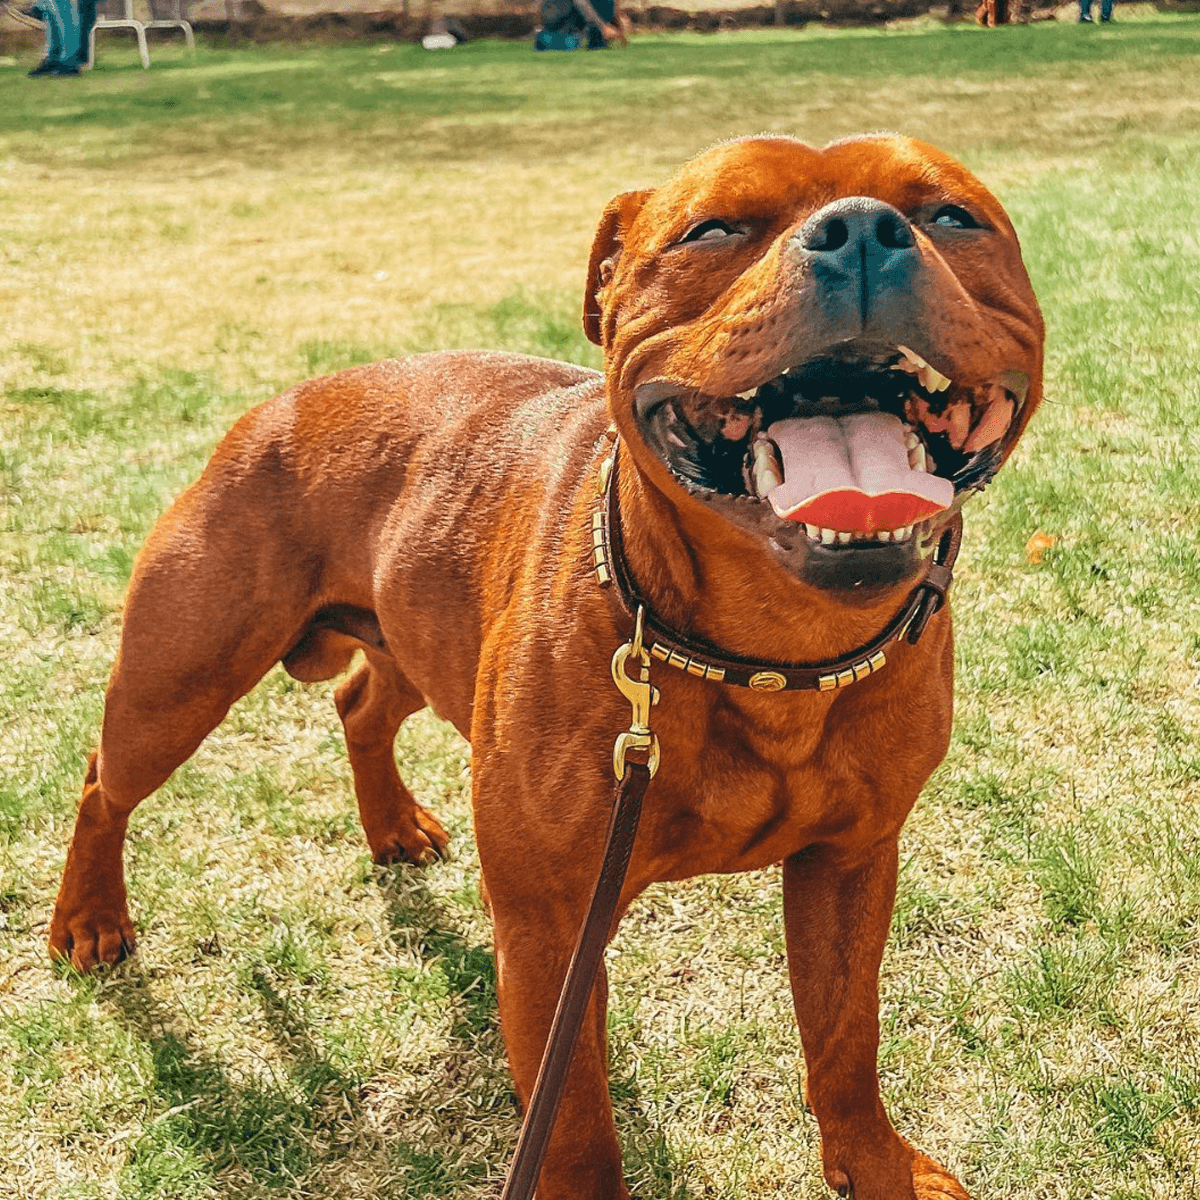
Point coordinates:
[(708, 662), (632, 780), (577, 988)]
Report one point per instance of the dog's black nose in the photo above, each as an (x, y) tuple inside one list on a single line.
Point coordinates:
[(860, 249), (857, 225)]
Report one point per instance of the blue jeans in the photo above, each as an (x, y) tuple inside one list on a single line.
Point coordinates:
[(1106, 7), (68, 28)]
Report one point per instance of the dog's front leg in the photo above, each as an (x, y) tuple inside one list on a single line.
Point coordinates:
[(534, 941), (837, 914)]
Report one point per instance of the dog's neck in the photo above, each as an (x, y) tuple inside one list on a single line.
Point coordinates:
[(701, 575)]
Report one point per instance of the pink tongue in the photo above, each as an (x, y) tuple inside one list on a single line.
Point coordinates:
[(852, 474)]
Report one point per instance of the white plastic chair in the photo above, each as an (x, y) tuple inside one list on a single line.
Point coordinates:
[(171, 14), (125, 20)]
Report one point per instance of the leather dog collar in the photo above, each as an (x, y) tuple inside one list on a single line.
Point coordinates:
[(706, 661)]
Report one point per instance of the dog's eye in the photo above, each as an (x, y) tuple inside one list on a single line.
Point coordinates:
[(707, 231), (950, 216)]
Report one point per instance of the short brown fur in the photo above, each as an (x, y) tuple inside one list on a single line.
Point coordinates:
[(435, 512)]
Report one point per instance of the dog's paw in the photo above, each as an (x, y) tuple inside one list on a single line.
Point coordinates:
[(420, 841), (88, 939), (909, 1174), (934, 1182)]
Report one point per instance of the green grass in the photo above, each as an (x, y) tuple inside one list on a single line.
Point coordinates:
[(179, 243)]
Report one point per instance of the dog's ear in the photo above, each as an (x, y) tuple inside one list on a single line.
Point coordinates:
[(606, 249)]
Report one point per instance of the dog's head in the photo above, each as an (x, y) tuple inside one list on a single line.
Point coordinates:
[(830, 348)]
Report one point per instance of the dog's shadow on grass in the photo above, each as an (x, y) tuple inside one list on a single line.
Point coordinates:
[(298, 1115), (418, 917)]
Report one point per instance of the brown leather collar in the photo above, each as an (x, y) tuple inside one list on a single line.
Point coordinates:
[(706, 661)]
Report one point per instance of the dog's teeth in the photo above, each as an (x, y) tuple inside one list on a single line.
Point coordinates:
[(901, 535), (749, 394), (932, 380), (916, 457), (911, 441), (828, 537), (813, 531), (884, 535), (844, 536), (767, 469)]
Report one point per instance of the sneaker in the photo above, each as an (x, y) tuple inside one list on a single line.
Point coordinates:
[(1085, 20), (48, 68)]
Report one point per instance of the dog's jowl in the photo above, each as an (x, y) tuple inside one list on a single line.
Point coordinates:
[(811, 358)]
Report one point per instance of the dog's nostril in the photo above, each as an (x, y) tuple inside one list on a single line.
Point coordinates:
[(893, 234), (836, 235)]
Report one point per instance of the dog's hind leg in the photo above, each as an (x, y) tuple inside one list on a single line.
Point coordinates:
[(372, 703), (209, 611)]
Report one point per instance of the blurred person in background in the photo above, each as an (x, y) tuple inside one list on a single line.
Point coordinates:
[(68, 31), (568, 23)]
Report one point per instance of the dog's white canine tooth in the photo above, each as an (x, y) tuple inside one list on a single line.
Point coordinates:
[(748, 394), (828, 537), (813, 531), (912, 356), (932, 380), (911, 441)]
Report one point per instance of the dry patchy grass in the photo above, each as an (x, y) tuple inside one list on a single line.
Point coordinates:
[(179, 244)]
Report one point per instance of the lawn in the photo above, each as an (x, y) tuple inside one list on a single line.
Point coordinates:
[(180, 243)]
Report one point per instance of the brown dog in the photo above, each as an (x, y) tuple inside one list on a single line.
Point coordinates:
[(811, 357)]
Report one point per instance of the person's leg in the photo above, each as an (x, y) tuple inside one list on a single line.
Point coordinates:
[(1106, 7), (48, 13), (87, 18), (62, 38), (1085, 10)]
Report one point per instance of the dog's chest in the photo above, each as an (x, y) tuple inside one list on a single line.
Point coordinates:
[(741, 787)]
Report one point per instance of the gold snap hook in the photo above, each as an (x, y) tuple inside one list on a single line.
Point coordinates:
[(641, 695)]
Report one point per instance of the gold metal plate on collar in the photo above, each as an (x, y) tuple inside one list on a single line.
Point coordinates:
[(768, 681)]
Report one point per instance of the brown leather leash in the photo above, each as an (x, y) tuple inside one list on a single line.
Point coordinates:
[(632, 780), (577, 988), (708, 662)]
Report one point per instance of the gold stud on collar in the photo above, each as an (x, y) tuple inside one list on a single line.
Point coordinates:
[(767, 681)]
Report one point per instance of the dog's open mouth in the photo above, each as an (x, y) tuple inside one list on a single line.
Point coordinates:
[(858, 451)]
